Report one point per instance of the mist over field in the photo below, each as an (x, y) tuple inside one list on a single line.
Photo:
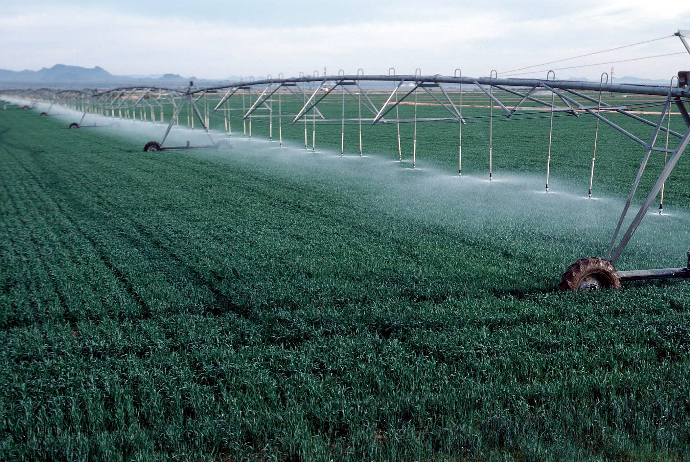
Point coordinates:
[(513, 207)]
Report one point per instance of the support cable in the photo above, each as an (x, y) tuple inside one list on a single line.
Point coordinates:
[(588, 54)]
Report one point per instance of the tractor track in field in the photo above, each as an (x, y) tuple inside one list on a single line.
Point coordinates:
[(121, 277), (402, 246), (49, 271), (222, 301)]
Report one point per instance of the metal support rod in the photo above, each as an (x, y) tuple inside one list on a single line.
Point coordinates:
[(524, 98), (596, 134), (304, 100), (369, 103), (227, 95), (661, 198), (258, 102), (391, 71), (666, 273), (456, 73), (313, 113), (200, 117), (668, 126), (643, 164), (244, 121), (453, 111), (299, 96), (683, 111), (548, 157), (652, 195), (359, 109), (174, 118), (492, 98), (270, 117), (620, 111), (493, 73), (414, 138), (249, 95), (116, 98), (311, 106), (385, 110), (450, 101), (565, 99), (397, 127), (176, 114), (598, 116), (342, 125), (681, 34), (207, 116), (225, 118)]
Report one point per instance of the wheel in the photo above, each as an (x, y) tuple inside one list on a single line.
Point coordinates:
[(224, 145), (152, 146), (590, 273), (43, 114), (74, 125)]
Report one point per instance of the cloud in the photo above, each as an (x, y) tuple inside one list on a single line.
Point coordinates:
[(437, 38)]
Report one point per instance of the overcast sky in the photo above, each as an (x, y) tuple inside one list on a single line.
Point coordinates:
[(217, 39)]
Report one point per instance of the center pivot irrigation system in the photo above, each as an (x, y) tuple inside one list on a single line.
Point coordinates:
[(576, 98)]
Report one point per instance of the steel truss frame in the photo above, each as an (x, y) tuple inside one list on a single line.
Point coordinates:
[(404, 87)]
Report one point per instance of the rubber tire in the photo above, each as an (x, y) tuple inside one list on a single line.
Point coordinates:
[(43, 114), (152, 146), (224, 145), (590, 273), (74, 125)]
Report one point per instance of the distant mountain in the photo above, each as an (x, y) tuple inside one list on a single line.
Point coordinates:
[(59, 74), (64, 76), (171, 78)]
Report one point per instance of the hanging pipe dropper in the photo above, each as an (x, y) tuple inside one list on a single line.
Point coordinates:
[(458, 73), (548, 157), (596, 133), (492, 75), (668, 129)]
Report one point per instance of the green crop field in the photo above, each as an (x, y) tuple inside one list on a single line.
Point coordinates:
[(278, 304)]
